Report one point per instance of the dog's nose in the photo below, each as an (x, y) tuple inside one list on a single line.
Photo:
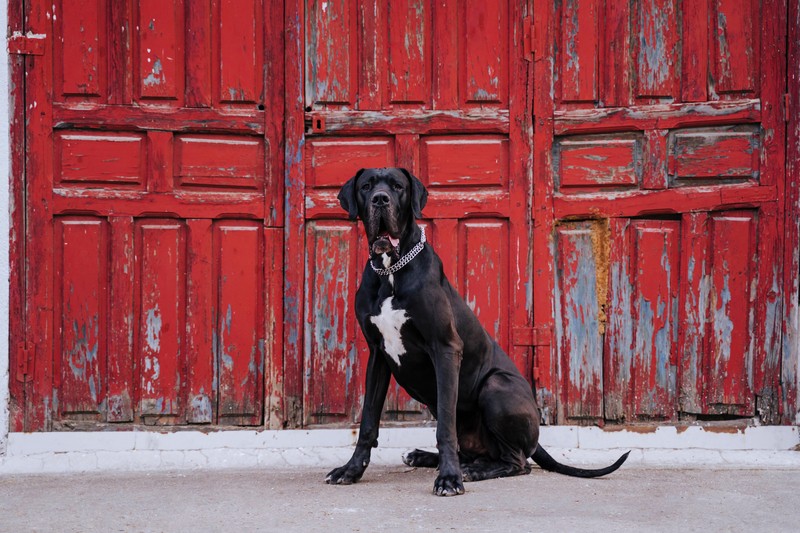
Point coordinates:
[(380, 199)]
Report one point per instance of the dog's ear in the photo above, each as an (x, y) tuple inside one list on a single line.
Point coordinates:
[(419, 194), (347, 196)]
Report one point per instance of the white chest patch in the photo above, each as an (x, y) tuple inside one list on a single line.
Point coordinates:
[(389, 323)]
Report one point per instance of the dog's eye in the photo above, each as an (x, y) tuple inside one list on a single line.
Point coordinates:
[(366, 186), (396, 186)]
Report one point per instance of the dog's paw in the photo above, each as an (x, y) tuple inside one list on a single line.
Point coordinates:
[(344, 475), (420, 458), (448, 485)]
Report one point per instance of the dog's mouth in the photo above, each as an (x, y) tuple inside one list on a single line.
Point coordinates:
[(383, 231), (385, 243)]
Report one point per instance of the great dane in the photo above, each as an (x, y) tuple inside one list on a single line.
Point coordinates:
[(420, 330)]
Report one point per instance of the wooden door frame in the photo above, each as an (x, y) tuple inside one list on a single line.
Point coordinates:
[(791, 283), (17, 251)]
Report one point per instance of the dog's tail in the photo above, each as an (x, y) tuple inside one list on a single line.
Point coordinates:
[(546, 461)]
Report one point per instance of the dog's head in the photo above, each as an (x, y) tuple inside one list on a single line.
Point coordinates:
[(387, 200)]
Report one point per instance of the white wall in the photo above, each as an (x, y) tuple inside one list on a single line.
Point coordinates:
[(5, 217)]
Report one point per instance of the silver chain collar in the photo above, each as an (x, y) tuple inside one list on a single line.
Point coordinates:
[(406, 259)]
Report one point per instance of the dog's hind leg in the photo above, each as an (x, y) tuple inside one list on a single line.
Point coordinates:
[(421, 458), (487, 468)]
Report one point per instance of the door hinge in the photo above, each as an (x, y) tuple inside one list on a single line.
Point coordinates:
[(29, 44), (786, 101), (541, 336), (25, 357), (527, 38)]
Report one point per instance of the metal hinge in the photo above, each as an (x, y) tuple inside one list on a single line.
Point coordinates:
[(786, 101), (29, 44), (541, 336), (25, 358), (527, 38)]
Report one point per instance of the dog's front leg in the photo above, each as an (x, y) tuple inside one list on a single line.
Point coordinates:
[(447, 361), (378, 375)]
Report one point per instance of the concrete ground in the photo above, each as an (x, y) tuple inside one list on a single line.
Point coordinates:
[(397, 498)]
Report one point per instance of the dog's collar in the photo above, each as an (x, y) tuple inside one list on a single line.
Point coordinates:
[(406, 259)]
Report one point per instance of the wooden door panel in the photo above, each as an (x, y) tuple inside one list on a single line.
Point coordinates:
[(81, 335), (640, 368), (330, 328), (159, 306), (659, 137), (579, 327), (429, 87), (96, 160), (240, 347), (152, 151)]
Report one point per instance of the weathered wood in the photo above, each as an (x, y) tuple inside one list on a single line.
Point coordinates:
[(790, 369)]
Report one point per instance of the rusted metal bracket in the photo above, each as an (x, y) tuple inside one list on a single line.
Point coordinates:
[(29, 44), (25, 358), (527, 39), (786, 101)]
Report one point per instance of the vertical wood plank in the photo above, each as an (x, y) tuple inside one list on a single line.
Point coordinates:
[(330, 326), (655, 175), (445, 57), (241, 44), (618, 341), (790, 369), (41, 404), (120, 73), (655, 305), (160, 312), (484, 47), (730, 365), (484, 266), (579, 50), (331, 52), (161, 165), (121, 321), (273, 372), (656, 36), (82, 334), (694, 50), (198, 53), (546, 359), (616, 56), (578, 318), (160, 67), (295, 269), (735, 25), (372, 36), (409, 55), (201, 378), (83, 45), (240, 343), (695, 310)]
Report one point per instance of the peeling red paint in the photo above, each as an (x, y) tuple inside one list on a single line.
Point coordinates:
[(608, 181)]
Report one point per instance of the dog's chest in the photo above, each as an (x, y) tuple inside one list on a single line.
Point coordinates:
[(389, 322)]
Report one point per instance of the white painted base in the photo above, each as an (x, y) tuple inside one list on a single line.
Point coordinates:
[(693, 447)]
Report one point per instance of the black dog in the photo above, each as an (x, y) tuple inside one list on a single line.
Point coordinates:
[(420, 330)]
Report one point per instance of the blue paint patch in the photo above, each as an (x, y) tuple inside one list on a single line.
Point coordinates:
[(156, 76), (153, 329)]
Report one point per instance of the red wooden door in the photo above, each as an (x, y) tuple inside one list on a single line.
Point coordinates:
[(437, 88), (658, 200), (152, 212)]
